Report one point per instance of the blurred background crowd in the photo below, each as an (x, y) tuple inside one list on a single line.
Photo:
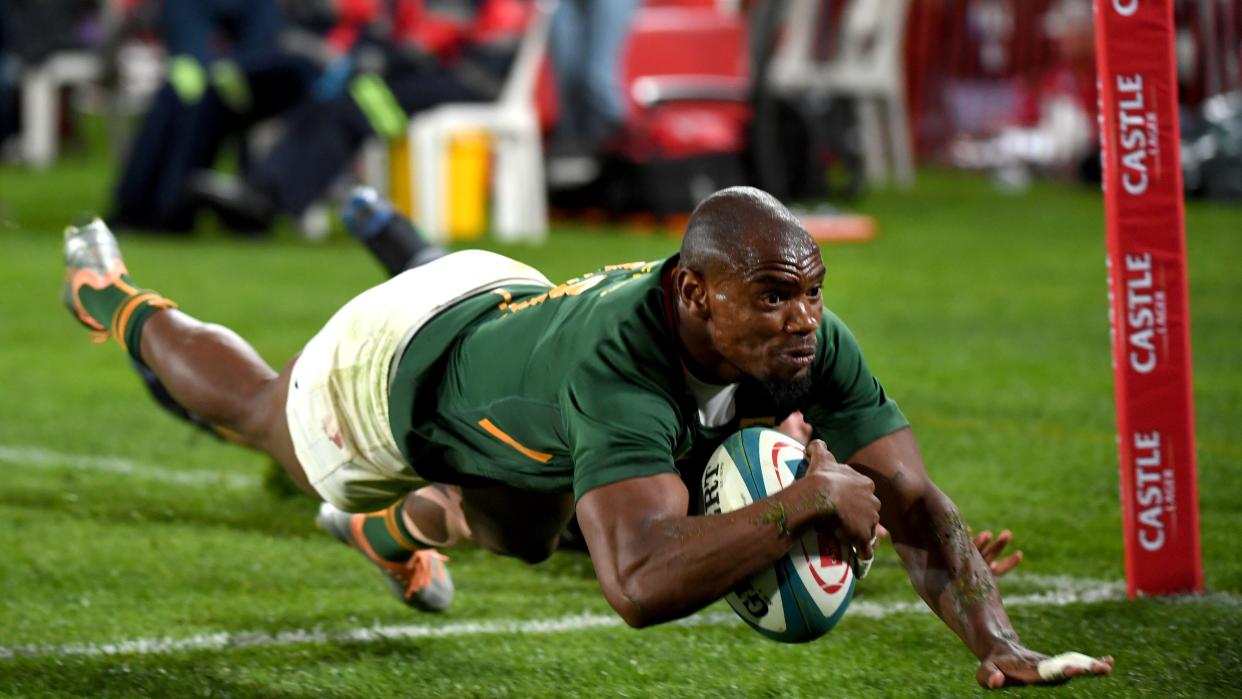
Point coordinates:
[(478, 115)]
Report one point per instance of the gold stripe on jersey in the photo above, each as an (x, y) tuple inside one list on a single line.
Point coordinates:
[(496, 432)]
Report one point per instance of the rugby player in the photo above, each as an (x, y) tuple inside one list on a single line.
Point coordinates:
[(470, 400)]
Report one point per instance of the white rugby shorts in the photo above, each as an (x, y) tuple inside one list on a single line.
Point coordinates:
[(337, 406)]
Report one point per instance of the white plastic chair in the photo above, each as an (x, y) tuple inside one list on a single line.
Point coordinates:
[(141, 67), (41, 100), (519, 193), (867, 67)]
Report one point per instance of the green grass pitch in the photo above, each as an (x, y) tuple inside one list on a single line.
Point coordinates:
[(139, 558)]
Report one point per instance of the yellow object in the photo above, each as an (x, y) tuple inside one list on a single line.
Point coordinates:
[(465, 170), (399, 176), (468, 181)]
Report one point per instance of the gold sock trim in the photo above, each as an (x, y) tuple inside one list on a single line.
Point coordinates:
[(394, 529), (120, 319), (116, 315)]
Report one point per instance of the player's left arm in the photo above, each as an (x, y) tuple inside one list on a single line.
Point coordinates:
[(948, 571)]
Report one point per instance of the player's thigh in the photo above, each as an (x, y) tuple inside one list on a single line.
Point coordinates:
[(513, 522)]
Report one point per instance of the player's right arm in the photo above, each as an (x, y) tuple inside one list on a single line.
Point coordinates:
[(655, 563)]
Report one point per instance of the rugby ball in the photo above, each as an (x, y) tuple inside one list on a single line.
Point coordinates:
[(806, 592)]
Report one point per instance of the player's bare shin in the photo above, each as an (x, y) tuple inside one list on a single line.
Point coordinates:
[(213, 372)]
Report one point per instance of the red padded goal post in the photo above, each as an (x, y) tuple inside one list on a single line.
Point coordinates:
[(1148, 301)]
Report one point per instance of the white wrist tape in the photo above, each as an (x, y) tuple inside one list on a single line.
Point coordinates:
[(1054, 668), (862, 566)]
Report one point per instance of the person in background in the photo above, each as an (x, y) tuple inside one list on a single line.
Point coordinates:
[(433, 52), (223, 75), (1053, 129), (585, 45)]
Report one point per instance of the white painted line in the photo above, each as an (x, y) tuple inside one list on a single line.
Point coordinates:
[(1082, 594), (1056, 582), (45, 458), (260, 639), (1048, 598)]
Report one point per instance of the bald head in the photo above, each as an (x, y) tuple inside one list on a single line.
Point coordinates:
[(749, 292), (735, 228)]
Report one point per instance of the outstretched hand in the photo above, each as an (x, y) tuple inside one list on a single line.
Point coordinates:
[(1021, 666)]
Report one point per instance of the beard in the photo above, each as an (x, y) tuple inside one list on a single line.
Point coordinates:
[(783, 397)]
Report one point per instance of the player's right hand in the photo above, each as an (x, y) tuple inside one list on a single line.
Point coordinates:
[(855, 510), (1020, 666)]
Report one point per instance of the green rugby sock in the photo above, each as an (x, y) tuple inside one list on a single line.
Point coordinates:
[(130, 334), (388, 536), (122, 309)]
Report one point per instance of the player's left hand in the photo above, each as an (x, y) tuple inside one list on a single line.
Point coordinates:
[(1018, 666), (991, 549)]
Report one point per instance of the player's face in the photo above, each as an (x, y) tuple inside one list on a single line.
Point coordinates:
[(764, 316)]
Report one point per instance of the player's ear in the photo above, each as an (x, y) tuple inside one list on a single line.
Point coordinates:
[(692, 292)]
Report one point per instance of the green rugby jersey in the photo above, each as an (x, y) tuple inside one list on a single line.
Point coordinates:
[(582, 385)]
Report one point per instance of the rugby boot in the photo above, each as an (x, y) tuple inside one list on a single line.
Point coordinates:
[(93, 260), (423, 582), (392, 238)]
